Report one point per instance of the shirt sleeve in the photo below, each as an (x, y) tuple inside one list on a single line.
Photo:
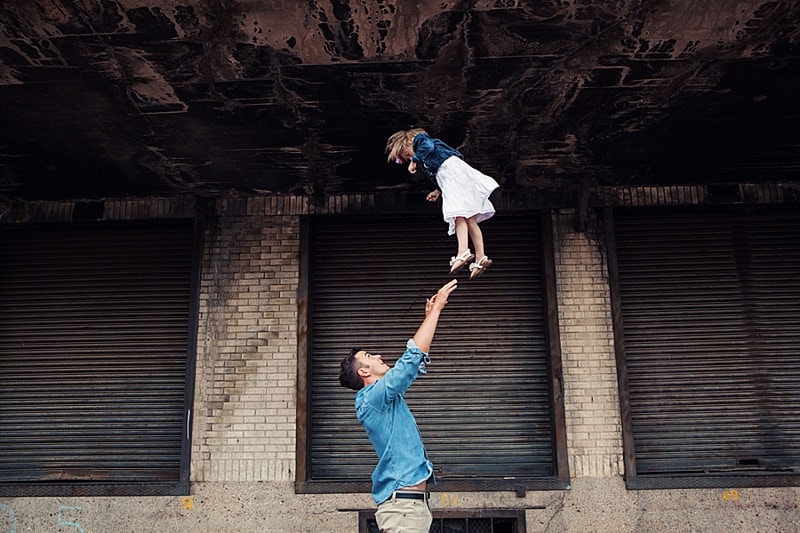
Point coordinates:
[(400, 377), (426, 360), (423, 146)]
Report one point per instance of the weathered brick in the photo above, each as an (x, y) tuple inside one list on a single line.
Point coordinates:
[(594, 439), (248, 433)]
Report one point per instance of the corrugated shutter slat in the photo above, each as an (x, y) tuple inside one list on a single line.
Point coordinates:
[(93, 352), (487, 387), (711, 313)]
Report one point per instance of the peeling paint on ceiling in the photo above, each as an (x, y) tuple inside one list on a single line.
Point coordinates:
[(149, 97)]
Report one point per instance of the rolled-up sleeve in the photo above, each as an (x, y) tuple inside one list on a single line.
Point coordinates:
[(400, 377), (426, 360)]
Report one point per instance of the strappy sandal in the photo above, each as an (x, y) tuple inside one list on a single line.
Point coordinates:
[(457, 263), (477, 268)]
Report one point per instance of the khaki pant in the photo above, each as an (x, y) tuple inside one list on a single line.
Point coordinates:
[(404, 516)]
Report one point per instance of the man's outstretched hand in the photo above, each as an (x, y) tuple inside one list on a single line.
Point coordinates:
[(439, 300), (433, 306)]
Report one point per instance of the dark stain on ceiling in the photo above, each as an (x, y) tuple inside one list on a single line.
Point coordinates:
[(122, 98)]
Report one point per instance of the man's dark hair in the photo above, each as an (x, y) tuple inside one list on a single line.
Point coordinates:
[(348, 375)]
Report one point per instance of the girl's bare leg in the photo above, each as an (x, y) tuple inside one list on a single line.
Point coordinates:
[(457, 262), (476, 235), (462, 231)]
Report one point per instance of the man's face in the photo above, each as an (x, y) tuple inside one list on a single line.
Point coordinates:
[(371, 363)]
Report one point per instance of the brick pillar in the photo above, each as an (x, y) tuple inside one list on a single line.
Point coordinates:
[(245, 387), (594, 436)]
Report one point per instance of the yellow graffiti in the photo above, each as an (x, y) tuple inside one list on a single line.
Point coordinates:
[(730, 495), (448, 500), (187, 502)]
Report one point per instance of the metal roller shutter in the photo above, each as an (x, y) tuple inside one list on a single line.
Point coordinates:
[(483, 408), (93, 352), (711, 310)]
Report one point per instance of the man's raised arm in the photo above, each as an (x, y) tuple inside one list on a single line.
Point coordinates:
[(433, 307)]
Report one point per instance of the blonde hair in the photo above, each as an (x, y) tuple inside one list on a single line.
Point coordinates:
[(399, 140)]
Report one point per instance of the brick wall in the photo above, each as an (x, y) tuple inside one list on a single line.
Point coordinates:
[(594, 434), (245, 387), (244, 416)]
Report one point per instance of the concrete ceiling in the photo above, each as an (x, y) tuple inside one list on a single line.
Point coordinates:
[(121, 98)]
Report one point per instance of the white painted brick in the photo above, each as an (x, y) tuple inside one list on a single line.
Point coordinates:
[(594, 439), (241, 431)]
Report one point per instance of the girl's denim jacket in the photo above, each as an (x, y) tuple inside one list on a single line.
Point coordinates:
[(391, 427), (430, 153)]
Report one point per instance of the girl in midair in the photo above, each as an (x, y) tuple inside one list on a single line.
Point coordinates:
[(464, 190)]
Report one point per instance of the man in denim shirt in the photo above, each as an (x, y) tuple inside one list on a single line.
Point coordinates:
[(399, 481)]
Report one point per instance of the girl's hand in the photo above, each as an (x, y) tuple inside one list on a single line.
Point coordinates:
[(433, 195), (412, 167)]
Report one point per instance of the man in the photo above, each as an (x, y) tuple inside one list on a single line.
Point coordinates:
[(399, 481)]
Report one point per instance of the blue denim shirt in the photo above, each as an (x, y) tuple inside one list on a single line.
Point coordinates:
[(391, 427), (429, 154)]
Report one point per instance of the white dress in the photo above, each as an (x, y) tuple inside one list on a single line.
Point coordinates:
[(465, 192)]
